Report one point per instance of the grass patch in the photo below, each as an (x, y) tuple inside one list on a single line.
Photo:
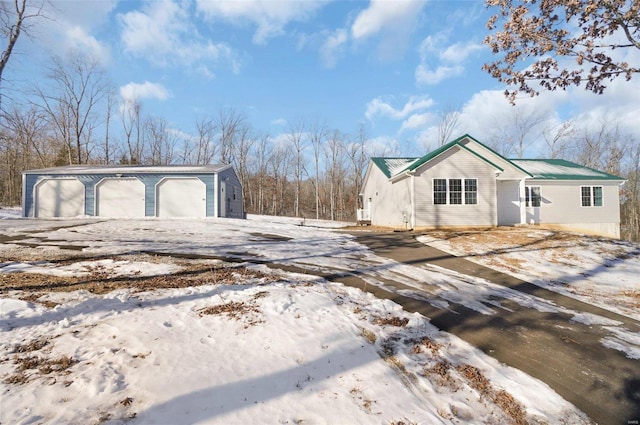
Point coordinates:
[(391, 321), (501, 398)]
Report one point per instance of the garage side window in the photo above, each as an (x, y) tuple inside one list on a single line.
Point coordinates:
[(591, 196), (532, 196)]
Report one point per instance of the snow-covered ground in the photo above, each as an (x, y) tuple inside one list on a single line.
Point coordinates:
[(253, 346), (599, 271)]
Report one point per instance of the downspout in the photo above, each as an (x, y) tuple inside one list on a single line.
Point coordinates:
[(216, 194), (521, 201), (413, 201)]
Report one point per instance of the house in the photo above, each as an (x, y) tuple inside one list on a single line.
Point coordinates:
[(132, 191), (464, 183)]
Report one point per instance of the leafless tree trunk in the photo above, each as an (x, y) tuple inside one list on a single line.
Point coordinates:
[(130, 115), (317, 134), (558, 138), (14, 18), (228, 122), (79, 86), (513, 134), (206, 149), (447, 123), (297, 142)]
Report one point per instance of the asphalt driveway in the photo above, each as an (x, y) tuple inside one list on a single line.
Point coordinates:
[(565, 354)]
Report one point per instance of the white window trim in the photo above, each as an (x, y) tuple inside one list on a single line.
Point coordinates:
[(528, 189), (448, 191), (591, 196)]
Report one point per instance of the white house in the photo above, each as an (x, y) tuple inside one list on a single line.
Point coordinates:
[(132, 191), (465, 184)]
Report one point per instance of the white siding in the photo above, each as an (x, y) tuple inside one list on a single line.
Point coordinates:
[(509, 171), (456, 163), (508, 198), (389, 202), (561, 205)]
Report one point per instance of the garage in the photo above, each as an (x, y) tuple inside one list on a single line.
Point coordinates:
[(181, 197), (120, 197), (133, 191), (59, 197)]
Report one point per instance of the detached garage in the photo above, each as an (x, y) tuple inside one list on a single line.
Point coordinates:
[(132, 191)]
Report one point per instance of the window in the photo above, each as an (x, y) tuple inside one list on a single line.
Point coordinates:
[(470, 191), (453, 192), (532, 196), (591, 196), (439, 191)]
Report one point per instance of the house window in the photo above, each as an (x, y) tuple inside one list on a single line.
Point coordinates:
[(532, 196), (454, 192), (439, 191), (470, 191), (591, 196)]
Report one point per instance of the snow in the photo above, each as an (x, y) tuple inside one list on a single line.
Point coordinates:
[(598, 271), (304, 350)]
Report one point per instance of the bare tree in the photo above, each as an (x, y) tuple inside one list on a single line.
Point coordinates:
[(603, 147), (206, 150), (297, 141), (317, 135), (358, 159), (447, 123), (14, 20), (160, 141), (513, 134), (558, 138), (240, 156), (587, 31), (130, 117), (228, 122), (79, 86)]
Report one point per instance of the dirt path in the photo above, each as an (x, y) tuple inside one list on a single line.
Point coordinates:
[(566, 355)]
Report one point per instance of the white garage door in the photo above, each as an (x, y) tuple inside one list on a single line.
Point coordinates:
[(59, 198), (181, 197), (120, 198)]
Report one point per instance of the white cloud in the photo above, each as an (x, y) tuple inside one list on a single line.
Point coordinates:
[(417, 121), (333, 47), (459, 52), (270, 17), (279, 122), (449, 59), (135, 91), (425, 75), (392, 22), (163, 32), (379, 107), (70, 25), (77, 39), (385, 15)]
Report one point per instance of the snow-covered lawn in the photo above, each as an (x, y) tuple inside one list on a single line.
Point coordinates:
[(599, 271), (144, 322)]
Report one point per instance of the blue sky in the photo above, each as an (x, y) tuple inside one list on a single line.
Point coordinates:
[(390, 65)]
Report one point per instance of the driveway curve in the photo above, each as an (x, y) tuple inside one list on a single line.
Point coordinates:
[(566, 355)]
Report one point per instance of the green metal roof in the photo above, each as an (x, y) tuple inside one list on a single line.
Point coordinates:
[(391, 166), (560, 169), (433, 154), (542, 169)]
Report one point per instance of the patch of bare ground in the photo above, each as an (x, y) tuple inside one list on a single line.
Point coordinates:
[(28, 367), (246, 311), (391, 321), (501, 398), (191, 273)]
